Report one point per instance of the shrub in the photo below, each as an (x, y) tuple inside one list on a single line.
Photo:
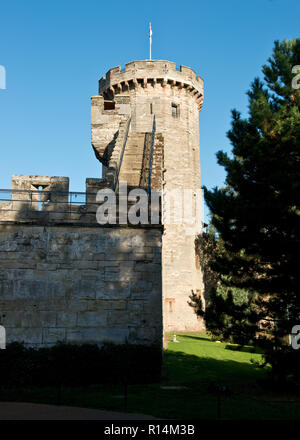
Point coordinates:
[(78, 365), (285, 363)]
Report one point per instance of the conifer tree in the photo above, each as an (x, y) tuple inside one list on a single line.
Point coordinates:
[(257, 214)]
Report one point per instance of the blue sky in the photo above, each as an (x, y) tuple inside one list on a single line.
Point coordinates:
[(54, 52)]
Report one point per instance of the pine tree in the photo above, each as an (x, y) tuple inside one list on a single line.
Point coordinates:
[(228, 313), (257, 214)]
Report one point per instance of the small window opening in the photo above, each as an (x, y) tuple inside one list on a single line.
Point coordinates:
[(151, 109), (40, 204), (109, 105), (170, 304), (175, 110), (44, 196)]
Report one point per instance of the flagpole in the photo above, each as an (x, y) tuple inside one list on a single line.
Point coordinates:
[(150, 39)]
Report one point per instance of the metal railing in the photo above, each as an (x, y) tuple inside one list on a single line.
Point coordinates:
[(151, 156), (43, 207), (35, 200)]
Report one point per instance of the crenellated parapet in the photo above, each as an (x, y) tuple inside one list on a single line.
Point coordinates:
[(144, 74), (47, 200)]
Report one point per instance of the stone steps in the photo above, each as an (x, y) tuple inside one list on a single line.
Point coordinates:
[(133, 159)]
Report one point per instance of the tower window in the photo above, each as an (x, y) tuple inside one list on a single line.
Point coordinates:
[(151, 109), (109, 105), (175, 110)]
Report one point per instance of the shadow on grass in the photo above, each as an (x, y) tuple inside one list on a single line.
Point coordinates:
[(203, 398), (198, 338), (190, 370)]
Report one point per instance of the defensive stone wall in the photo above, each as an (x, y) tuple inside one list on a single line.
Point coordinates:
[(65, 277), (87, 284)]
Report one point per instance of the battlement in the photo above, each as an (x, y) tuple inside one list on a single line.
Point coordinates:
[(44, 200), (142, 73), (151, 65)]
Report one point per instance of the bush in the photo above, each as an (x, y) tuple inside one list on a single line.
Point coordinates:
[(78, 365), (285, 363)]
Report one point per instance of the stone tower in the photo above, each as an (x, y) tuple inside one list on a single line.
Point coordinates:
[(145, 120)]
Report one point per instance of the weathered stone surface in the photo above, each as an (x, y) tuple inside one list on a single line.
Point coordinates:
[(53, 335), (83, 282), (98, 335), (32, 336), (92, 319), (175, 97), (92, 300)]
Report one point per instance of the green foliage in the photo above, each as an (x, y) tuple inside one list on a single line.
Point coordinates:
[(78, 365), (227, 313), (257, 214), (285, 366)]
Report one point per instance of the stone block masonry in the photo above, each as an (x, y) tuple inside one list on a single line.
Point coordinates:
[(87, 284), (63, 277), (143, 93)]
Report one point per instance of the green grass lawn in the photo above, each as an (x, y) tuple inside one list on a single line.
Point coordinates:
[(196, 360), (193, 371)]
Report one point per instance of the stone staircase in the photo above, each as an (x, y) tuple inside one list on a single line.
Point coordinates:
[(132, 164)]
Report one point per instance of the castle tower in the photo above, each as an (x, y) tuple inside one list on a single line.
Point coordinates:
[(153, 105)]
